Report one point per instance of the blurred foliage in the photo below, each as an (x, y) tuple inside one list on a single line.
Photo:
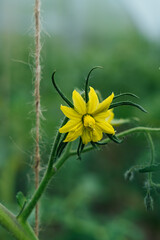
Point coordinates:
[(89, 199)]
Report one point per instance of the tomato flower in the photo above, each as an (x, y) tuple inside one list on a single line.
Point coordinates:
[(88, 120)]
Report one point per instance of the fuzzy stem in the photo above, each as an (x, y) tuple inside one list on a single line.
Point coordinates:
[(21, 231), (37, 103), (36, 196), (53, 156), (47, 177), (151, 145)]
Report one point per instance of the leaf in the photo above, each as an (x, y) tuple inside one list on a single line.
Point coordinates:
[(151, 168), (21, 199)]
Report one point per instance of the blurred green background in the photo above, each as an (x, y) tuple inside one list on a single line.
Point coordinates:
[(87, 200)]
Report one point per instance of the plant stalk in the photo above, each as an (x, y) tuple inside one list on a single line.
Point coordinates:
[(21, 231), (52, 170)]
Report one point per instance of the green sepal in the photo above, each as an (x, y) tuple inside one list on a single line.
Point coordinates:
[(127, 103), (80, 148), (61, 146), (60, 92), (114, 138), (87, 83), (125, 94), (95, 145), (148, 202), (151, 168), (21, 199), (100, 143), (61, 149)]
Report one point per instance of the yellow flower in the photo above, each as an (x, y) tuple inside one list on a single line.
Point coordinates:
[(88, 120)]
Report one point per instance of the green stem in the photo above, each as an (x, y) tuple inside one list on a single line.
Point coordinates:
[(45, 180), (21, 231), (151, 144), (62, 160), (47, 176), (36, 196), (53, 156)]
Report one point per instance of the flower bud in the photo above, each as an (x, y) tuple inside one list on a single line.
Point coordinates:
[(148, 202), (129, 175)]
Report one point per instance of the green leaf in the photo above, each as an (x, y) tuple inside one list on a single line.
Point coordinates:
[(21, 199), (151, 168)]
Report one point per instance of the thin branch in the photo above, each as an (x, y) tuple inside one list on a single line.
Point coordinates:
[(18, 229), (151, 145)]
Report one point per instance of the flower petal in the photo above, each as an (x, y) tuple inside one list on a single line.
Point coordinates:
[(103, 106), (86, 135), (97, 134), (110, 115), (79, 103), (73, 135), (105, 115), (70, 113), (71, 125), (93, 101), (106, 127)]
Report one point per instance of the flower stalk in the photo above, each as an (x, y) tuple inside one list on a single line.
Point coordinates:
[(46, 179), (21, 231)]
